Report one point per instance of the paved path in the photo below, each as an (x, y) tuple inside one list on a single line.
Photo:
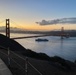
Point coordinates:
[(4, 69)]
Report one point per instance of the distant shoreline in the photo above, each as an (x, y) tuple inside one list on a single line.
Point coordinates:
[(50, 33)]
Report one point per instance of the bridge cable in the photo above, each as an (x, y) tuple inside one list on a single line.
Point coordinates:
[(17, 24), (2, 21)]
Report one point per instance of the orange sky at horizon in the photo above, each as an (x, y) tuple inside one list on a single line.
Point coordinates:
[(26, 13), (29, 25), (47, 27)]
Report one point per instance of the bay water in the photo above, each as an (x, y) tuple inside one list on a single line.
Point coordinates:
[(65, 48)]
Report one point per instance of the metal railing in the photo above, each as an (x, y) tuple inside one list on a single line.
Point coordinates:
[(18, 65)]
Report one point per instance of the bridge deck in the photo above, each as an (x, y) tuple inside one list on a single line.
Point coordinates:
[(30, 36)]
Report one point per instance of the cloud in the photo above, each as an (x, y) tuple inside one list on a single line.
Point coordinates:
[(58, 21)]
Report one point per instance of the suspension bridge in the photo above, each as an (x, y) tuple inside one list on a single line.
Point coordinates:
[(8, 31), (18, 64)]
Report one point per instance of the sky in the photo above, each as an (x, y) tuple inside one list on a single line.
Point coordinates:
[(26, 13)]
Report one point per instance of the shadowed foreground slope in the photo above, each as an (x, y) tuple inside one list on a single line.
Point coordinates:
[(45, 64)]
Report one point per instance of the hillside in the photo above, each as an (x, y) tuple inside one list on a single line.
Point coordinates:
[(11, 44), (47, 65)]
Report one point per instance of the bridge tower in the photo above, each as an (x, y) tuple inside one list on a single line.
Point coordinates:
[(62, 32), (8, 28)]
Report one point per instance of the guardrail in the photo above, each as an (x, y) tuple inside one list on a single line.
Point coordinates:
[(17, 64)]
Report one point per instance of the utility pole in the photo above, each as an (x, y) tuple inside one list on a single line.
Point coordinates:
[(8, 28)]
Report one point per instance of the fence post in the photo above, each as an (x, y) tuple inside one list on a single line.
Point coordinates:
[(8, 57), (26, 66)]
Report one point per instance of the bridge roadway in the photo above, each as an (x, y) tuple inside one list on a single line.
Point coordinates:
[(64, 35), (4, 69), (31, 36)]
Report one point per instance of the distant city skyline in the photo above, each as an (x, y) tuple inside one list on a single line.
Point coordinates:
[(27, 12)]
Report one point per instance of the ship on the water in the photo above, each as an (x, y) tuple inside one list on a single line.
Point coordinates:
[(40, 40)]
